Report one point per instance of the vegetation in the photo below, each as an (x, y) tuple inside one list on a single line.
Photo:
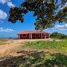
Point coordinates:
[(60, 45), (3, 41), (58, 35), (46, 12), (37, 59)]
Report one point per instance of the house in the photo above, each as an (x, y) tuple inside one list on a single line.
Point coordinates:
[(37, 34)]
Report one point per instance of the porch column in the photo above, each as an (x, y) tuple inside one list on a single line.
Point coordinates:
[(30, 35), (49, 35)]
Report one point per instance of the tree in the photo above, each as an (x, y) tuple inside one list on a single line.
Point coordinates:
[(45, 10), (58, 35)]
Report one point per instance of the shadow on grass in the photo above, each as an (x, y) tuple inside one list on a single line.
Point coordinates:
[(36, 59)]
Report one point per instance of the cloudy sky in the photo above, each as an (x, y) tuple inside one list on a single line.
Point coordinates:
[(7, 29)]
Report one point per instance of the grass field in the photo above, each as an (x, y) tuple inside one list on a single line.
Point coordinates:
[(3, 41), (57, 45), (55, 56)]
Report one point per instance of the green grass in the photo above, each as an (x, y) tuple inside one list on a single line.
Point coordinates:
[(60, 45)]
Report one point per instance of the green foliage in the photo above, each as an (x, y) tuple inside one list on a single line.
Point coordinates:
[(44, 10), (58, 35), (15, 14)]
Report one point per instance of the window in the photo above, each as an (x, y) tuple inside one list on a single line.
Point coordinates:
[(37, 35), (24, 35)]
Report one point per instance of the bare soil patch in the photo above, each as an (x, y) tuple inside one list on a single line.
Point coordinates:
[(12, 46)]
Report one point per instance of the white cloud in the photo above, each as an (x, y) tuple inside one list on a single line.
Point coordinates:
[(61, 26), (65, 25), (57, 28), (6, 30), (9, 3), (3, 15)]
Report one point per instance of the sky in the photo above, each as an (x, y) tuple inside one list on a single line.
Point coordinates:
[(9, 30)]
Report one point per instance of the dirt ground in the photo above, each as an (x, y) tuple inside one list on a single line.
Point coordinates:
[(13, 46)]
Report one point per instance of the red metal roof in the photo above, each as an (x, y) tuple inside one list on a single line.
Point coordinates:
[(36, 31)]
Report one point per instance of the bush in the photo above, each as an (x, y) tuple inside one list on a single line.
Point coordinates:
[(58, 35)]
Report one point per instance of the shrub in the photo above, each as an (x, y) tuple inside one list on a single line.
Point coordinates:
[(58, 35)]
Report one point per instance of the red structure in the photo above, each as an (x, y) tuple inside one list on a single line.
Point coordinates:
[(33, 35)]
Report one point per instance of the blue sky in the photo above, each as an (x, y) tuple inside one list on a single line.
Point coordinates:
[(7, 29)]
